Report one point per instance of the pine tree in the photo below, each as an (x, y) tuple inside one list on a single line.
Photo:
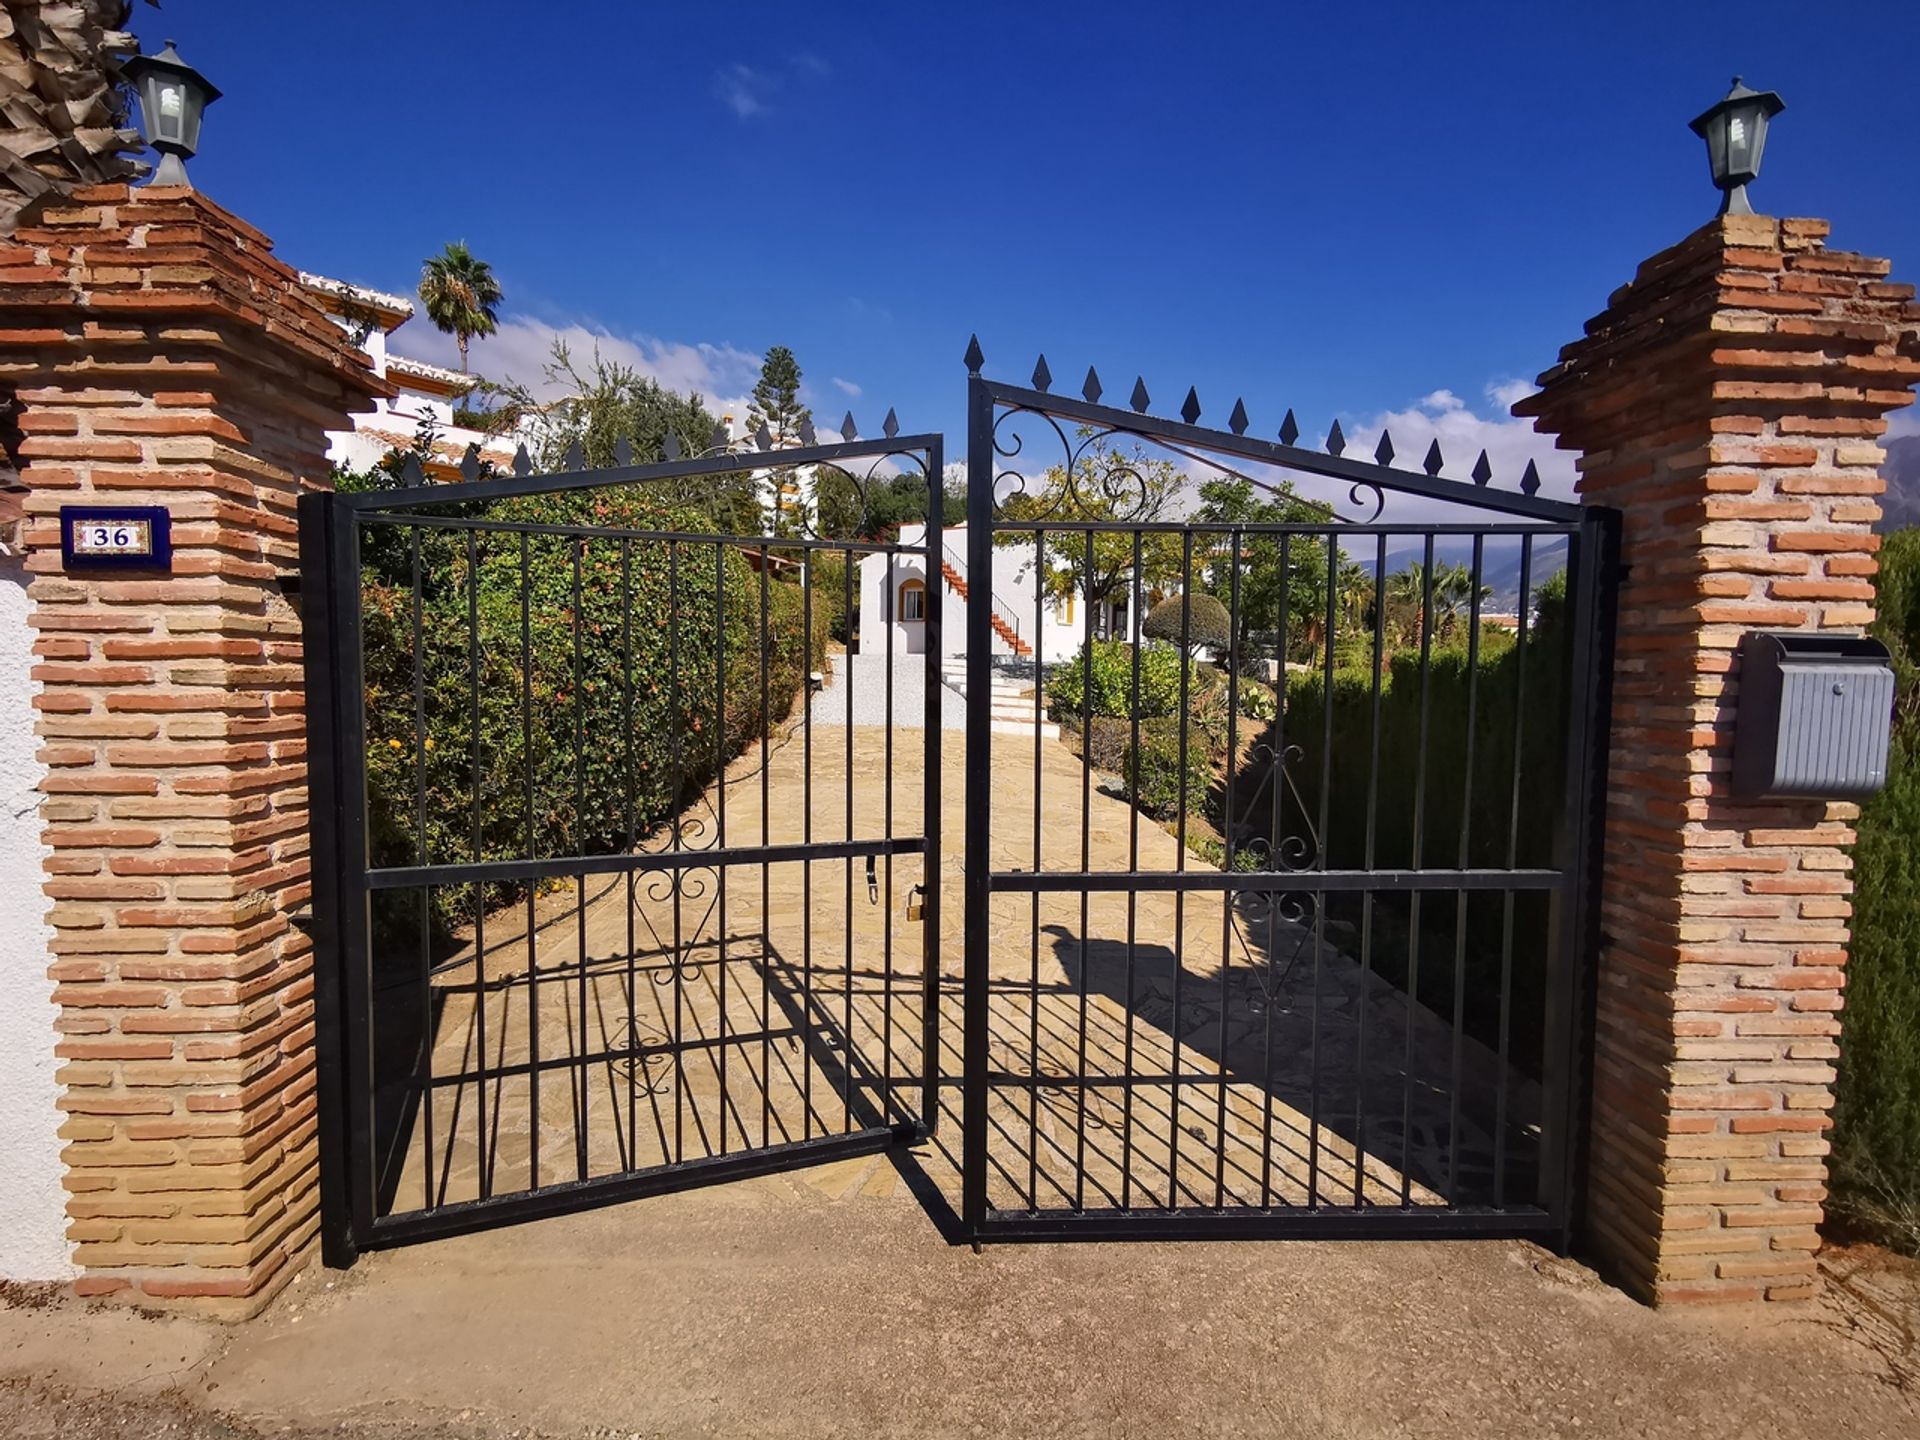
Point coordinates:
[(776, 398), (776, 405)]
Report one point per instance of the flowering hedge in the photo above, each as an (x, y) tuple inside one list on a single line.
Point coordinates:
[(610, 680)]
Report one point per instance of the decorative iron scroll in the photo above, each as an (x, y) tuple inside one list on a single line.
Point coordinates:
[(1292, 852), (1121, 494), (761, 443)]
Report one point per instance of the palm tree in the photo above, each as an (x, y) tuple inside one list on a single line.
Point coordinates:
[(460, 294), (65, 110), (1354, 591), (1453, 595), (1407, 599)]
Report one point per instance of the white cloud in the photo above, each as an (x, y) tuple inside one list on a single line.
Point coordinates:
[(743, 90), (1508, 393), (521, 348), (847, 387), (1904, 422), (1462, 433)]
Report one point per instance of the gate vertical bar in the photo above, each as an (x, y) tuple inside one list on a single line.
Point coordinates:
[(346, 972), (320, 628), (935, 645), (356, 910), (1574, 920), (973, 1170)]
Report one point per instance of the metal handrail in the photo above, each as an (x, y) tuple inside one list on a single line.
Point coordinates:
[(999, 603)]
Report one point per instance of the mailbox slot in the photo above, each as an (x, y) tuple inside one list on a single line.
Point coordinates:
[(1814, 717)]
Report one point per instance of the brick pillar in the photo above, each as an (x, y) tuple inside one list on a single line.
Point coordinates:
[(161, 355), (1728, 402)]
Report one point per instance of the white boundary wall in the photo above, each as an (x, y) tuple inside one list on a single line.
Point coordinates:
[(33, 1244)]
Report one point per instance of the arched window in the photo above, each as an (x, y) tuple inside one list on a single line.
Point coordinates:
[(913, 600)]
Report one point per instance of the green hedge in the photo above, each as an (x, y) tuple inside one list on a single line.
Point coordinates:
[(1152, 776), (1876, 1135), (1488, 799), (609, 719), (1104, 683)]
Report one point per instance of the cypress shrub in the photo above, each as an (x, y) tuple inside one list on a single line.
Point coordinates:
[(1152, 776), (1876, 1135), (1510, 803)]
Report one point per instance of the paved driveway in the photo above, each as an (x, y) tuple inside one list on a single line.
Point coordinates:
[(858, 684)]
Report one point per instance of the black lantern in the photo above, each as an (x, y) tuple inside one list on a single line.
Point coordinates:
[(1736, 134), (173, 96)]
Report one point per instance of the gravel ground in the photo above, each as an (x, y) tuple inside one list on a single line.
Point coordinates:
[(30, 1411), (864, 677)]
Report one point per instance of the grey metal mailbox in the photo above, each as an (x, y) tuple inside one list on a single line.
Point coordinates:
[(1815, 711)]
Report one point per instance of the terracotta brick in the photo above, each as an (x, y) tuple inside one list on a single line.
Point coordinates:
[(1746, 495), (195, 368)]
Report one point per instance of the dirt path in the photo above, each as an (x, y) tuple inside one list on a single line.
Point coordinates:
[(809, 1307)]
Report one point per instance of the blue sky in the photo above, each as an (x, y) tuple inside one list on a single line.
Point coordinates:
[(1342, 209)]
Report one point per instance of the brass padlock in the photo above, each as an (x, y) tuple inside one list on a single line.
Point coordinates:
[(917, 903)]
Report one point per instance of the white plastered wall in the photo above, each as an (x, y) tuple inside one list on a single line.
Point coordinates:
[(33, 1244)]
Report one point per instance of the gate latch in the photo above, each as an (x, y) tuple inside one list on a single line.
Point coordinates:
[(917, 902), (873, 884)]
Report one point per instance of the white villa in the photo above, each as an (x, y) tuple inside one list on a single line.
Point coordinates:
[(893, 596), (426, 391)]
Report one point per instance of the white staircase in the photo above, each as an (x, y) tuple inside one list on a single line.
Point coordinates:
[(1012, 700)]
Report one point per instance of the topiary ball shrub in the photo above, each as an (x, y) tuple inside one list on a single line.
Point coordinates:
[(1151, 775), (1198, 621)]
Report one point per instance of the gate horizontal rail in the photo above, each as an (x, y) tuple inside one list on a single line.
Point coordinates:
[(1144, 881), (411, 877)]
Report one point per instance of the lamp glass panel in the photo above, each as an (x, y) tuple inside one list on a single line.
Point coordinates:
[(196, 98), (1758, 145), (168, 106), (1740, 128), (1716, 138)]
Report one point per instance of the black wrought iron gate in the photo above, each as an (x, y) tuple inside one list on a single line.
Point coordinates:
[(1279, 899), (606, 902), (1281, 827)]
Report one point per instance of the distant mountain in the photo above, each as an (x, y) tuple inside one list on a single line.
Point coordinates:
[(1499, 563), (1902, 474)]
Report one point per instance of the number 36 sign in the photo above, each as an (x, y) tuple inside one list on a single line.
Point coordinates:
[(130, 537)]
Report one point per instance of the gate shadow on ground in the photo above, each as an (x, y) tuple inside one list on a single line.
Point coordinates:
[(1295, 1052), (639, 1072), (1251, 1104)]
